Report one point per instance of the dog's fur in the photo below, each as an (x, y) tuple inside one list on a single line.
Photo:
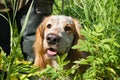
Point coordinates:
[(66, 32)]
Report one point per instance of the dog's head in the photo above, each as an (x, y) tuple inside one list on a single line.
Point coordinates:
[(56, 35)]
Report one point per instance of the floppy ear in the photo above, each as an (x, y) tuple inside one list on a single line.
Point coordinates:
[(38, 48), (74, 54), (78, 36)]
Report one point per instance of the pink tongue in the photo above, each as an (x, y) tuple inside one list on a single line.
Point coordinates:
[(52, 53)]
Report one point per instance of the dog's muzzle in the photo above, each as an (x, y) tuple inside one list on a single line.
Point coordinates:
[(52, 39)]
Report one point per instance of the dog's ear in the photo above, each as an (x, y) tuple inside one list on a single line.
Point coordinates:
[(38, 44), (75, 54), (38, 48), (78, 36), (78, 27)]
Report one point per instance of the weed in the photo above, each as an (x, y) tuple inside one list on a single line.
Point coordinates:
[(101, 27)]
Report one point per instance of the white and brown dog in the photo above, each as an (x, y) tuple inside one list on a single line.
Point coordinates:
[(55, 36)]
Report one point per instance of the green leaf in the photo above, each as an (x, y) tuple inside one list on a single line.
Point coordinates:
[(111, 70), (63, 57), (106, 46), (99, 27), (83, 46), (99, 61), (82, 61), (96, 33), (90, 58), (109, 40), (76, 47), (73, 69)]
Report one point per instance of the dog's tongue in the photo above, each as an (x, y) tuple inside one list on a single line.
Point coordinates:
[(51, 52)]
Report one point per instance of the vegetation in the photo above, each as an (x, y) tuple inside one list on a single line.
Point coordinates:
[(101, 27)]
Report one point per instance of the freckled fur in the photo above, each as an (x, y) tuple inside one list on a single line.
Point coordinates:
[(40, 44)]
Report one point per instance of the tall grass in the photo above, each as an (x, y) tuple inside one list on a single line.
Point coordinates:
[(101, 24), (101, 27), (14, 67), (101, 30)]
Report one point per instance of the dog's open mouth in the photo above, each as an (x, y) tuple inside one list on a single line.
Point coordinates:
[(51, 52)]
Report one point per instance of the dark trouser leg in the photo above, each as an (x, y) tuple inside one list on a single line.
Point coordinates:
[(4, 35), (40, 9), (29, 35)]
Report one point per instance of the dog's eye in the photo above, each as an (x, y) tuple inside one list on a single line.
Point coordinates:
[(67, 28), (49, 26)]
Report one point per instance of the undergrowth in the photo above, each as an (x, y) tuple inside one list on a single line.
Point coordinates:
[(101, 28)]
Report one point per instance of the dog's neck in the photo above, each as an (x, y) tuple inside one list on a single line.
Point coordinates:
[(54, 64), (72, 56)]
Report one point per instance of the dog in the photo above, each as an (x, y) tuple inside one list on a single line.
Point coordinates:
[(55, 36)]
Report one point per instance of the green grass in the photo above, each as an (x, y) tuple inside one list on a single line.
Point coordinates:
[(101, 27)]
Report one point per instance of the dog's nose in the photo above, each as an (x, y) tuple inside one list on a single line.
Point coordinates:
[(52, 39)]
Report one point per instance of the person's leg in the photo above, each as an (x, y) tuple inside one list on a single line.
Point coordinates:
[(29, 35), (35, 18), (4, 35)]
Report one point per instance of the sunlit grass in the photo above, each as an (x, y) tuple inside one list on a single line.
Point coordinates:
[(101, 27)]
